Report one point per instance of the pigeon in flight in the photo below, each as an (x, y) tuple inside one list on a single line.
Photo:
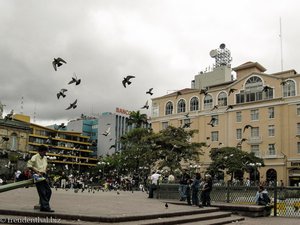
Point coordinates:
[(9, 116), (61, 126), (57, 62), (204, 91), (4, 139), (246, 127), (215, 107), (284, 82), (212, 122), (166, 205), (266, 88), (72, 105), (229, 107), (187, 125), (150, 91), (146, 106), (112, 146), (126, 80), (107, 132), (187, 115), (178, 93), (61, 93), (231, 90), (75, 80)]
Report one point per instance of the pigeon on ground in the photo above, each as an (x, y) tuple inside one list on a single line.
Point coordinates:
[(72, 105), (61, 93), (75, 80), (57, 62), (150, 91), (126, 80)]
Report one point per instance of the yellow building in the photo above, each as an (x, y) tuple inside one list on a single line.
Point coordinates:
[(68, 150), (268, 103)]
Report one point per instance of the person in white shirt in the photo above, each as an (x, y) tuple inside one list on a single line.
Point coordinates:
[(154, 183)]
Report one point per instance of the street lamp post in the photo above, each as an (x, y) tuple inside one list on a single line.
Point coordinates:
[(103, 164)]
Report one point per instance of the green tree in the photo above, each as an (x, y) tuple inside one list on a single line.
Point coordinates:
[(137, 119), (231, 159)]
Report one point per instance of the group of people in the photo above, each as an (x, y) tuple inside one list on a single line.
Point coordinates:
[(189, 189)]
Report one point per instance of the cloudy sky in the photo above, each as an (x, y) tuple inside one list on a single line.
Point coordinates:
[(164, 43)]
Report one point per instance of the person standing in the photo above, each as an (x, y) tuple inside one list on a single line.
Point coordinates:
[(38, 164), (183, 185), (195, 189), (154, 183), (207, 188)]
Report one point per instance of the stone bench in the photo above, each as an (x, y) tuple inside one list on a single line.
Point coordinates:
[(245, 210)]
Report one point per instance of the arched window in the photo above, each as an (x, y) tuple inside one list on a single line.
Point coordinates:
[(208, 102), (254, 91), (169, 108), (222, 99), (181, 106), (194, 104), (14, 142), (289, 88)]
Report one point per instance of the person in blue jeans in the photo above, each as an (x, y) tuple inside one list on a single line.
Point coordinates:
[(183, 185), (195, 186)]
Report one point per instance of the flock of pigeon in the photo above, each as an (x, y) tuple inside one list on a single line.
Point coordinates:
[(57, 62)]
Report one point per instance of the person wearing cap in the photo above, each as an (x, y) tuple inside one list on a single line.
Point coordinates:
[(38, 164)]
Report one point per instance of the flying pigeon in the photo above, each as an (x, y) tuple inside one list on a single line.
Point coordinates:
[(72, 105), (75, 80), (9, 115), (187, 115), (57, 62), (146, 106), (204, 91), (61, 93), (215, 107), (229, 107), (166, 205), (231, 90), (246, 127), (150, 91), (283, 82), (112, 146), (107, 132), (178, 93), (266, 88), (212, 122), (126, 80), (187, 125), (4, 139), (61, 126)]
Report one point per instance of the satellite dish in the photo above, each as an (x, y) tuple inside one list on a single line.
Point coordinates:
[(222, 46), (213, 53)]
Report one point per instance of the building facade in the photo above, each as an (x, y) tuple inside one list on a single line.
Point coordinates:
[(257, 112)]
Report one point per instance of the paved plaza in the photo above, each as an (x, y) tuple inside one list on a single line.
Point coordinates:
[(104, 204)]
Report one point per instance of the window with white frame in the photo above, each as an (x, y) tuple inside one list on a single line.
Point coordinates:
[(238, 116), (298, 109), (222, 99), (169, 108), (215, 136), (271, 130), (254, 132), (255, 150), (271, 149), (271, 112), (239, 134), (298, 147), (164, 125), (194, 104), (289, 88), (181, 106), (208, 102), (254, 114)]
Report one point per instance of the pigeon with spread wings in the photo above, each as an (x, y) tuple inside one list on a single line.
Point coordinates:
[(246, 127), (75, 80), (9, 116), (61, 93), (72, 105), (146, 106), (126, 80), (107, 132), (150, 91), (57, 62)]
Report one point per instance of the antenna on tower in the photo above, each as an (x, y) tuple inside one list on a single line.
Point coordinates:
[(280, 36), (22, 104), (34, 113)]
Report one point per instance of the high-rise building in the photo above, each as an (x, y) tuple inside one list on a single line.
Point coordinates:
[(257, 112)]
